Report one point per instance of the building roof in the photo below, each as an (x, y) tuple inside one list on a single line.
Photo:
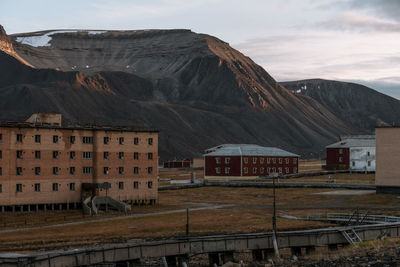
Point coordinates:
[(247, 150), (76, 127), (354, 142)]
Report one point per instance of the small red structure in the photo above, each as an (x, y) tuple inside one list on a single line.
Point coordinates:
[(242, 160), (185, 163)]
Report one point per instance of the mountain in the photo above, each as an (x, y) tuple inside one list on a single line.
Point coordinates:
[(353, 103), (195, 88)]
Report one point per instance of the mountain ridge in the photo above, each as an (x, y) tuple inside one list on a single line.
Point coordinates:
[(195, 88)]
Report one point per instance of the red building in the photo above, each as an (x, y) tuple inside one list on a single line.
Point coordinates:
[(185, 163), (352, 153), (250, 161)]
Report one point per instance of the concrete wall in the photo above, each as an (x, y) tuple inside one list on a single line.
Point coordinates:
[(362, 158), (388, 159)]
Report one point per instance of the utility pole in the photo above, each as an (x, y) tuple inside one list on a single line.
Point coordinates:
[(274, 239), (187, 222)]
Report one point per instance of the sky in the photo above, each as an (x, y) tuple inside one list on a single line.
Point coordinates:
[(348, 40)]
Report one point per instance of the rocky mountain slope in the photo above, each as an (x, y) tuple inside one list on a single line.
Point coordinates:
[(195, 88), (353, 103)]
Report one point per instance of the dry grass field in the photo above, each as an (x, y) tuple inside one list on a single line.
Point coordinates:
[(243, 210)]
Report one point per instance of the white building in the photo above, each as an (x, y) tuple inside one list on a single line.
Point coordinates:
[(356, 153)]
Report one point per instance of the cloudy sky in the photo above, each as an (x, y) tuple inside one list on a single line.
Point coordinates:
[(351, 40)]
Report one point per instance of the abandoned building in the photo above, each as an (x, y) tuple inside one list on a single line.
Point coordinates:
[(248, 161), (387, 177), (44, 165), (177, 163), (355, 153)]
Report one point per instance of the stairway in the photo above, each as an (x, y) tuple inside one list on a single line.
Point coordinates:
[(91, 205), (351, 236)]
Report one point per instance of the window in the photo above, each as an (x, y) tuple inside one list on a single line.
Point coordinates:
[(37, 154), (19, 154), (136, 141), (246, 170), (368, 154), (273, 160), (37, 187), (87, 140), (287, 160), (18, 187), (246, 160), (1, 154), (135, 185), (150, 141), (294, 161), (37, 170), (261, 170), (268, 160), (72, 170), (72, 155), (72, 187), (55, 187), (55, 139), (87, 155), (218, 170), (254, 170), (121, 140), (294, 170), (217, 160), (150, 170), (135, 170), (1, 188), (106, 140), (136, 155), (1, 171), (287, 170), (227, 160), (369, 163), (353, 163), (121, 155), (280, 160), (273, 170), (1, 138), (121, 170), (105, 155), (55, 154), (227, 170), (106, 169), (72, 139), (280, 170), (340, 151), (149, 155), (121, 185), (150, 184), (268, 170), (55, 170), (19, 170), (87, 170), (340, 159), (37, 138), (254, 160), (19, 138), (261, 160)]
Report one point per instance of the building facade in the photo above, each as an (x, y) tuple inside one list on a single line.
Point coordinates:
[(45, 163), (387, 177), (248, 161), (184, 163), (355, 153)]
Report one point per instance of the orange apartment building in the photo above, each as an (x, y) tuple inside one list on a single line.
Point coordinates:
[(44, 165)]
